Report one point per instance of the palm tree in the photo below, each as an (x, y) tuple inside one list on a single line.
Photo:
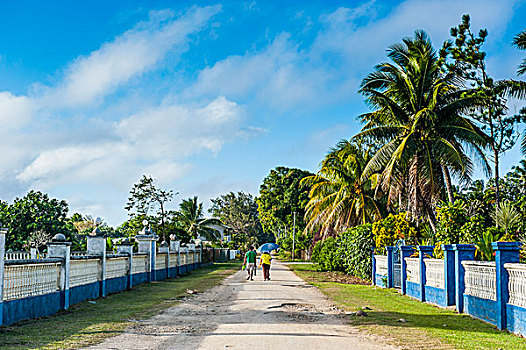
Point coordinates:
[(506, 217), (190, 217), (418, 118), (520, 42), (339, 198)]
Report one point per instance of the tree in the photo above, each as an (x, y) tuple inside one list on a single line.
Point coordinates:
[(520, 42), (339, 198), (507, 218), (280, 195), (35, 215), (239, 211), (465, 59), (145, 196), (191, 220), (417, 117)]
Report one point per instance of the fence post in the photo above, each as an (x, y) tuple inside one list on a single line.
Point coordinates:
[(423, 250), (462, 252), (165, 248), (59, 248), (390, 266), (373, 267), (96, 245), (147, 239), (505, 252), (449, 273), (174, 247), (405, 251), (125, 247), (3, 232)]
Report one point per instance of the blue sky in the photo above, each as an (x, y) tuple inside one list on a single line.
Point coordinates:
[(204, 96)]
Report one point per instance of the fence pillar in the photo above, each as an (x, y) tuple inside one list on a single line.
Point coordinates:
[(59, 248), (165, 248), (505, 252), (462, 252), (174, 248), (390, 266), (96, 245), (125, 247), (3, 232), (449, 273), (34, 253), (423, 250), (405, 252), (147, 239), (373, 267)]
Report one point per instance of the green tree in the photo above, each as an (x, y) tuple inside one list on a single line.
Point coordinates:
[(239, 211), (33, 214), (339, 197), (520, 42), (146, 196), (417, 117), (191, 219), (280, 195)]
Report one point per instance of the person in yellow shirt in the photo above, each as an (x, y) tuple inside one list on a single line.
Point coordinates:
[(264, 261)]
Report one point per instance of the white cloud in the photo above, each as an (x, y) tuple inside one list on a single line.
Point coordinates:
[(15, 111)]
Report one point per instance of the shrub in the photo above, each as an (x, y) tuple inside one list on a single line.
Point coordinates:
[(389, 230), (328, 258), (451, 217), (354, 248)]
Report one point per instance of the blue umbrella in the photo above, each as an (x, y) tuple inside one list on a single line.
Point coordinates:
[(267, 247)]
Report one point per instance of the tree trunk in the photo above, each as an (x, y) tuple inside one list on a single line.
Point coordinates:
[(497, 189), (449, 187)]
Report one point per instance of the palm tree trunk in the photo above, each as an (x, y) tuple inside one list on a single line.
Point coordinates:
[(449, 187)]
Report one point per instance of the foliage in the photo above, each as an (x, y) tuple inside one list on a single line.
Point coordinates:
[(339, 198), (146, 196), (472, 230), (484, 248), (418, 118), (394, 227), (328, 258), (507, 218), (520, 42), (35, 212), (191, 219), (280, 195), (451, 217), (239, 211), (355, 248)]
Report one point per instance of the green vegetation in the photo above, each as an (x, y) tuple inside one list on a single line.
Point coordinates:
[(427, 327), (88, 323)]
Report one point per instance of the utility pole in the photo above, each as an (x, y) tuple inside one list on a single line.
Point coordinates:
[(294, 235)]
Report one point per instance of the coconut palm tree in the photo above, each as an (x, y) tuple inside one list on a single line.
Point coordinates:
[(418, 119), (190, 217), (339, 198), (520, 42)]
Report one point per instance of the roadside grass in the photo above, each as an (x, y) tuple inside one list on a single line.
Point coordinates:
[(427, 326), (88, 323)]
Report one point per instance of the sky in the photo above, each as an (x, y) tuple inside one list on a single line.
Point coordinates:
[(204, 96)]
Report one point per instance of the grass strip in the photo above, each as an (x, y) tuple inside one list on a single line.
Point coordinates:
[(426, 327), (90, 323)]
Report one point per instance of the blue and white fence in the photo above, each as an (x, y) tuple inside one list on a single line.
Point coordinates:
[(31, 288), (494, 292)]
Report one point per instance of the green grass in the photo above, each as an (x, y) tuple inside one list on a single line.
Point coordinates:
[(86, 323), (427, 326)]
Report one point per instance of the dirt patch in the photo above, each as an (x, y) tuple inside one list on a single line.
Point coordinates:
[(340, 277)]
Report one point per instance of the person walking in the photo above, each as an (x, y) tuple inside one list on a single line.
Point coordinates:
[(250, 263), (265, 260)]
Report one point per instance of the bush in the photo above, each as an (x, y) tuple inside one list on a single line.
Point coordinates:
[(451, 217), (328, 258), (389, 230), (354, 249)]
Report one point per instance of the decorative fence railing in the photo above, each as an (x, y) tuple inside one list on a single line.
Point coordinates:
[(479, 279), (491, 291), (40, 287)]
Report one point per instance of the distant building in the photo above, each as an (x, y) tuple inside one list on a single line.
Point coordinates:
[(221, 229)]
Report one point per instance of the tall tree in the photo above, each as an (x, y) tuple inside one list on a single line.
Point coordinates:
[(520, 42), (191, 219), (146, 196), (417, 117), (464, 58), (339, 197), (280, 196), (239, 211)]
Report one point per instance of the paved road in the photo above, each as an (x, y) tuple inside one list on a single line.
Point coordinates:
[(284, 313)]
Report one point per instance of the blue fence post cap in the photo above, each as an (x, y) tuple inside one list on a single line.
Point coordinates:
[(389, 248), (425, 248), (407, 247), (506, 245), (447, 246), (463, 247)]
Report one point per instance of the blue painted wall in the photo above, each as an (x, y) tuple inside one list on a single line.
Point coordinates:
[(32, 307), (483, 309), (139, 278), (115, 285), (379, 282), (412, 289), (172, 272), (85, 292), (436, 296), (160, 274), (516, 317)]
